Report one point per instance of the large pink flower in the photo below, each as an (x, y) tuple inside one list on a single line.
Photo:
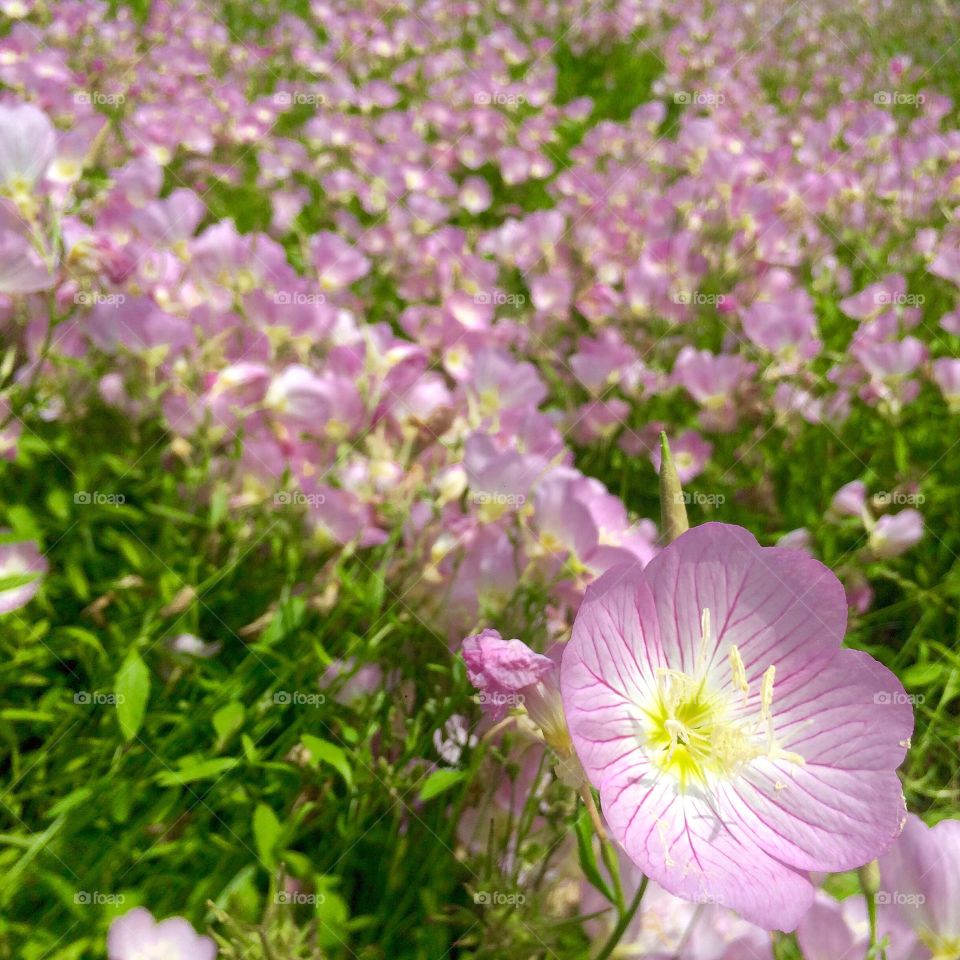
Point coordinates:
[(921, 878), (735, 745)]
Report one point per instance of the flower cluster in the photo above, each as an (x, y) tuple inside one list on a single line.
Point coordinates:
[(387, 268)]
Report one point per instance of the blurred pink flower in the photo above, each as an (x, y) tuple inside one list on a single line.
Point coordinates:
[(137, 936), (22, 564)]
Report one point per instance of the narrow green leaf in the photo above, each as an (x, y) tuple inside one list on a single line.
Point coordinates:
[(132, 687), (588, 856), (440, 781), (266, 832)]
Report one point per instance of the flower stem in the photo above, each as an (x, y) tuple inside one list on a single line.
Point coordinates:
[(869, 876), (625, 917)]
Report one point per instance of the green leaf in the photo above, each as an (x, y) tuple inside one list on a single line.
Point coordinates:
[(921, 674), (192, 769), (322, 751), (266, 832), (587, 855), (132, 687), (228, 720), (440, 781)]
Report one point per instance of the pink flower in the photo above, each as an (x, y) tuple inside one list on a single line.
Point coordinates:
[(337, 262), (921, 878), (666, 927), (137, 936), (895, 533), (509, 675), (502, 669), (690, 454), (850, 500), (21, 268), (27, 145), (21, 569), (735, 746), (946, 375), (840, 930), (710, 379)]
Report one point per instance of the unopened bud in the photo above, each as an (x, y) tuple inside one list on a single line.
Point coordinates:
[(673, 510), (869, 875)]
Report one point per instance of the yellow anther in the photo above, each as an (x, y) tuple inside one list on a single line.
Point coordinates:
[(739, 672), (766, 692), (704, 633)]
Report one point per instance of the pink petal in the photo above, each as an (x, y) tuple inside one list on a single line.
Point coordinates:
[(778, 606)]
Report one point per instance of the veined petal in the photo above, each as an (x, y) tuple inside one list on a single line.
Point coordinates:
[(679, 840), (777, 606)]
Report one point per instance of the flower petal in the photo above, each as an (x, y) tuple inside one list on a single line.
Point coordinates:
[(778, 606)]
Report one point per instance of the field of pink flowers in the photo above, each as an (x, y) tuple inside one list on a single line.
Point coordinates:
[(479, 479)]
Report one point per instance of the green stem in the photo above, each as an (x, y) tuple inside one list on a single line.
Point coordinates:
[(873, 952), (623, 923)]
